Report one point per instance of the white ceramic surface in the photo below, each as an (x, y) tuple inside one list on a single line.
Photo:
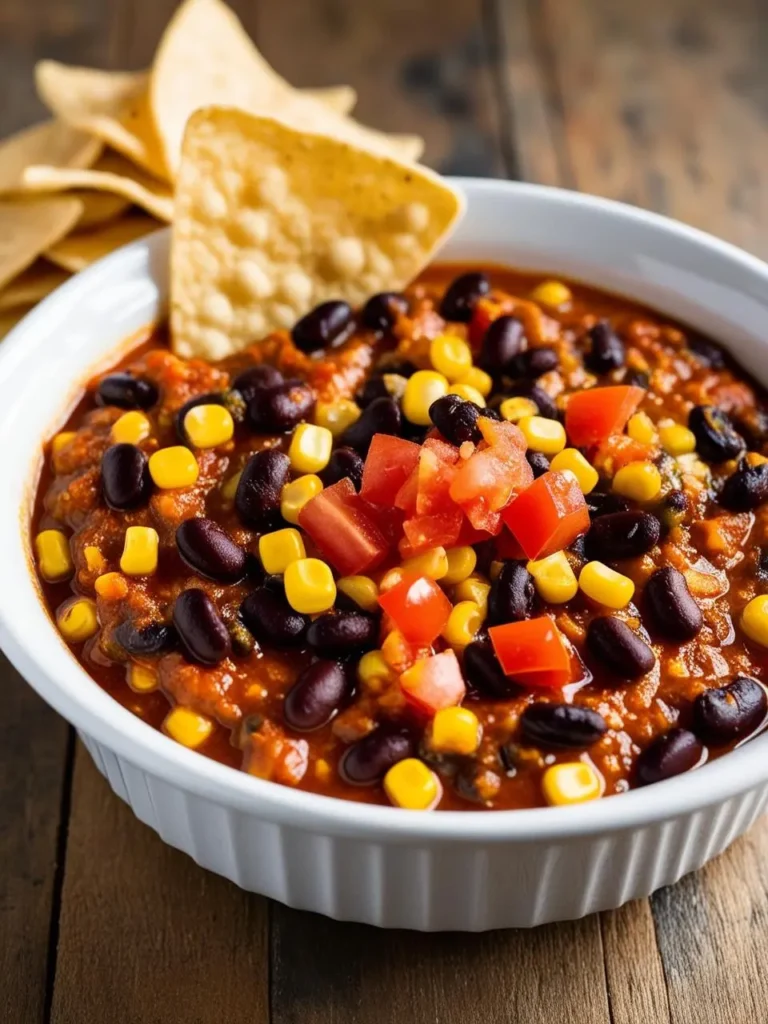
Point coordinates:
[(431, 871)]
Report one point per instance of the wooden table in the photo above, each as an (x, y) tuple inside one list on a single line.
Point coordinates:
[(663, 104)]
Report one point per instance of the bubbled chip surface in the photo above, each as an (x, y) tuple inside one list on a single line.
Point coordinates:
[(271, 221)]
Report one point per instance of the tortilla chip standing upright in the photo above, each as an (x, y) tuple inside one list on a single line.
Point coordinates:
[(271, 221)]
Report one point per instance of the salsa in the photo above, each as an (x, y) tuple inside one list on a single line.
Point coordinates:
[(495, 542)]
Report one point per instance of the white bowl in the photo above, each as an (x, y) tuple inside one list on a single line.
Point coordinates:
[(432, 871)]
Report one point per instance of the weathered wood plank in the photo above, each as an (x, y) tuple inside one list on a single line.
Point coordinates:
[(146, 936), (633, 968), (33, 754)]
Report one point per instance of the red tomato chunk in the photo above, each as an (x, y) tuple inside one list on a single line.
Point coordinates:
[(532, 651), (549, 516), (336, 521), (593, 415), (390, 462), (418, 607), (434, 683)]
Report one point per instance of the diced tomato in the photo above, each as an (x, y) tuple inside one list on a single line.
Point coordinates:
[(443, 449), (389, 463), (508, 547), (435, 476), (619, 450), (533, 651), (406, 496), (596, 413), (501, 434), (441, 529), (434, 683), (418, 607), (548, 516), (494, 474), (388, 518), (399, 654), (468, 535), (344, 534)]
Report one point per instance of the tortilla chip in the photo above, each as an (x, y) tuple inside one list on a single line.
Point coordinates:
[(33, 285), (206, 59), (52, 143), (271, 221), (113, 173), (9, 318), (80, 250), (99, 207), (111, 105), (341, 98), (30, 226)]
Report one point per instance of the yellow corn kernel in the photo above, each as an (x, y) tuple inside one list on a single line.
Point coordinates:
[(208, 426), (422, 389), (465, 620), (554, 294), (554, 578), (360, 589), (310, 448), (754, 620), (390, 579), (543, 435), (309, 586), (59, 443), (373, 670), (337, 416), (570, 460), (495, 568), (131, 428), (468, 393), (187, 727), (229, 487), (53, 558), (477, 379), (323, 770), (139, 556), (573, 782), (516, 409), (455, 731), (640, 428), (112, 586), (677, 439), (461, 564), (756, 459), (473, 588), (295, 495), (640, 481), (77, 620), (142, 679), (277, 550), (411, 785), (606, 586), (450, 355), (94, 560), (173, 467), (432, 563)]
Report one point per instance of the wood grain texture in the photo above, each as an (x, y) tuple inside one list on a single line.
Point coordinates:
[(145, 936), (633, 968), (33, 750)]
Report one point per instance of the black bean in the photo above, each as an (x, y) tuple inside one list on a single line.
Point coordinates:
[(272, 621), (125, 479), (544, 403), (126, 391), (538, 462), (730, 712), (381, 311), (316, 695), (622, 535), (208, 549), (762, 564), (461, 297), (343, 633), (674, 611), (752, 424), (601, 504), (257, 499), (673, 509), (637, 378), (533, 363), (325, 325), (745, 489), (607, 349), (484, 673), (344, 462), (619, 648), (382, 416), (278, 409), (213, 398), (368, 760), (456, 419), (671, 754), (716, 438), (707, 352), (255, 379), (512, 595), (390, 362), (503, 340), (147, 642), (202, 631), (578, 547), (375, 387), (561, 726)]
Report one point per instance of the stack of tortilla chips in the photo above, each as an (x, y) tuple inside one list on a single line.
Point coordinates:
[(103, 171)]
